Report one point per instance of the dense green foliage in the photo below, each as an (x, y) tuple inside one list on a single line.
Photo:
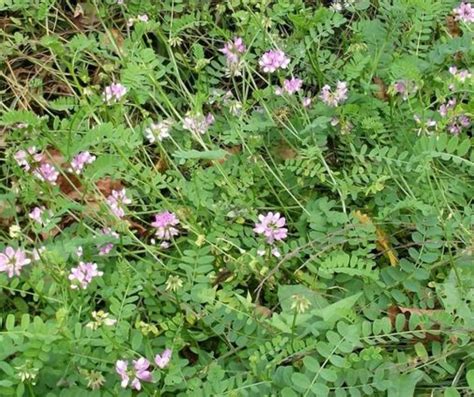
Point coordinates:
[(372, 292)]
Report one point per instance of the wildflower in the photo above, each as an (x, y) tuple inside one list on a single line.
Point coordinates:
[(143, 18), (164, 224), (233, 49), (14, 231), (290, 86), (114, 92), (83, 274), (95, 379), (461, 75), (163, 359), (47, 173), (424, 126), (106, 248), (80, 160), (79, 252), (274, 251), (300, 303), (445, 107), (116, 202), (198, 123), (458, 123), (158, 131), (22, 157), (12, 261), (173, 283), (271, 226), (27, 373), (138, 373), (120, 2), (100, 318), (273, 60), (335, 98), (307, 101), (464, 13), (37, 252)]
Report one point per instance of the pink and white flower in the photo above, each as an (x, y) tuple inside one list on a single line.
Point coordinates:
[(335, 98), (271, 225), (165, 223), (273, 60), (12, 261), (80, 160), (163, 359), (137, 374), (82, 275)]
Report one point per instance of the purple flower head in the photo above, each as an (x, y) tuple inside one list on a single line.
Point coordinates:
[(273, 60), (163, 359), (82, 275), (464, 13), (80, 160), (271, 226), (158, 131), (233, 49), (12, 261), (117, 200), (106, 248), (335, 98), (138, 373), (40, 215), (114, 92), (198, 123), (47, 173), (164, 224), (293, 85), (143, 18)]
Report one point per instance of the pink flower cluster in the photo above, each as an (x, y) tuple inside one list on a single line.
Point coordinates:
[(140, 369), (117, 201), (165, 223), (107, 247), (82, 275), (198, 123), (80, 160), (32, 160), (273, 60), (461, 75), (233, 49), (23, 157), (335, 98), (446, 107), (271, 226), (458, 123), (114, 92), (40, 215), (290, 86), (12, 261), (464, 12)]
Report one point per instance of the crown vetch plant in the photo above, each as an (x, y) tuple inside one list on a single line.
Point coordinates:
[(236, 198)]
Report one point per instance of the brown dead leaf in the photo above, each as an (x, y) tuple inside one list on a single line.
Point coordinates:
[(383, 244), (284, 151), (161, 165), (106, 185), (263, 311), (414, 310), (453, 26), (381, 93)]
